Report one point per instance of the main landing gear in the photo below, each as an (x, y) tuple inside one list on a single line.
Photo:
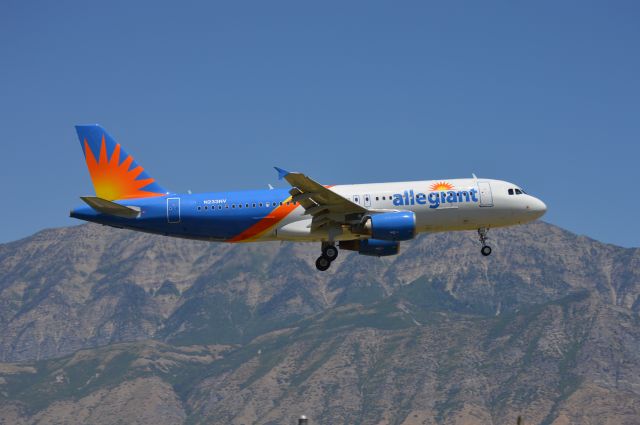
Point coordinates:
[(486, 249), (329, 253)]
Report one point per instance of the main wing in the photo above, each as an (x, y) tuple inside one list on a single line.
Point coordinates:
[(321, 203)]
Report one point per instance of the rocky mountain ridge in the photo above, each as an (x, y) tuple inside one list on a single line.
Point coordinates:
[(215, 333)]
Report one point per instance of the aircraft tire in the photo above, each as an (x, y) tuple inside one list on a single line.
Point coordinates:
[(322, 263), (330, 252), (486, 250)]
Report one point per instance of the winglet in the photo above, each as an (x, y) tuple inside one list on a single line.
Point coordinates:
[(281, 173)]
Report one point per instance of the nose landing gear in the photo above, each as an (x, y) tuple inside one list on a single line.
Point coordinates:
[(482, 233), (329, 253)]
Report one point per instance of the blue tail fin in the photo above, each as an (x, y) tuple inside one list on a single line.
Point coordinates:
[(115, 174)]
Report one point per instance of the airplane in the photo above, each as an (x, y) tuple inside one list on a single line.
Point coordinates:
[(371, 219)]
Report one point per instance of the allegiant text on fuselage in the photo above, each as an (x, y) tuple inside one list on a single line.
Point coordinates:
[(435, 199)]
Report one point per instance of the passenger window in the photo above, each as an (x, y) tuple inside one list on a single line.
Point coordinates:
[(518, 192), (199, 208), (233, 206), (254, 205), (510, 191)]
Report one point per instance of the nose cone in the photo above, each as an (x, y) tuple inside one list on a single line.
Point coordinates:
[(536, 208)]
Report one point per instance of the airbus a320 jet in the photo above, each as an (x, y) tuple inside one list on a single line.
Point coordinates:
[(371, 219)]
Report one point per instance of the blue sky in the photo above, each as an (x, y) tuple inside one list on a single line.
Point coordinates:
[(210, 95)]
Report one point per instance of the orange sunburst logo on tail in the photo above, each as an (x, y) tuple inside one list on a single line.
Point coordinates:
[(440, 186), (113, 180)]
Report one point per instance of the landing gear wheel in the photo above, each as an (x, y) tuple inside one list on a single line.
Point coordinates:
[(330, 252), (322, 263), (482, 234)]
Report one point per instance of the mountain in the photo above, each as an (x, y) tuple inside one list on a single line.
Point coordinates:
[(101, 325)]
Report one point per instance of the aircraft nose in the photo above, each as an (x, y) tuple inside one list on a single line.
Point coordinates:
[(537, 207)]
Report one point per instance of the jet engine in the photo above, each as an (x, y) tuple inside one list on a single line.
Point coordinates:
[(391, 226)]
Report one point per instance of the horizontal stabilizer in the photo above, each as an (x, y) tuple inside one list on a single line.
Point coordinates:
[(111, 208)]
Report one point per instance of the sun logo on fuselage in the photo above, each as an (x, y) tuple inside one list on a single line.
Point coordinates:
[(113, 179), (440, 186)]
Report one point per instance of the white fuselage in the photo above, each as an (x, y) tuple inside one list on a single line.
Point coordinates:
[(438, 205)]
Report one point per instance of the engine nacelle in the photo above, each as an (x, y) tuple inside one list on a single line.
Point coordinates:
[(373, 247), (391, 226)]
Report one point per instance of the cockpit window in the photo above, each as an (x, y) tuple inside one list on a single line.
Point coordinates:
[(510, 191), (518, 192)]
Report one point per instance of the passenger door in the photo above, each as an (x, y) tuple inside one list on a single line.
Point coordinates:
[(173, 210), (486, 197)]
